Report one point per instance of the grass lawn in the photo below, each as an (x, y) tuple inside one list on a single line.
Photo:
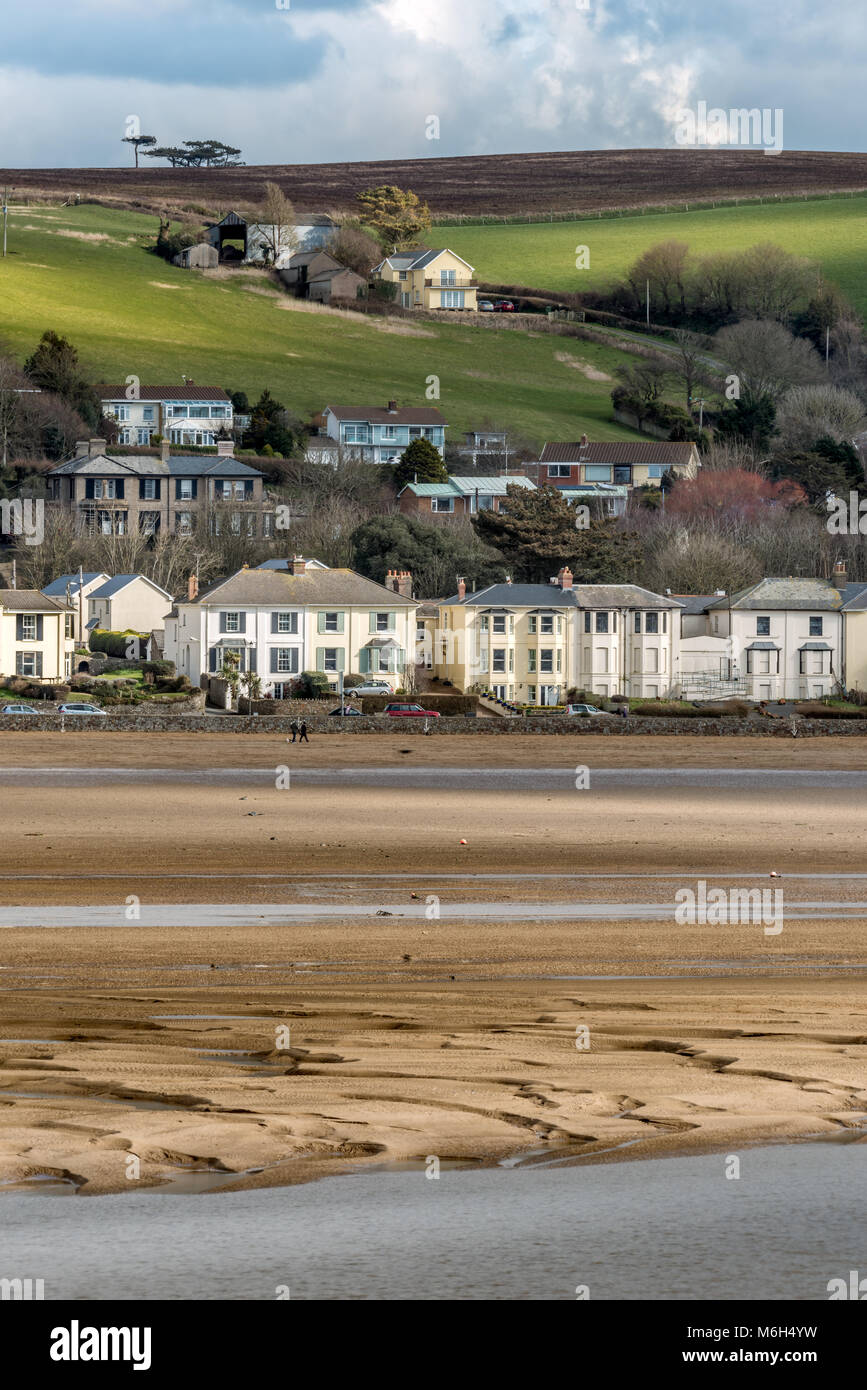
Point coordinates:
[(831, 231), (84, 272)]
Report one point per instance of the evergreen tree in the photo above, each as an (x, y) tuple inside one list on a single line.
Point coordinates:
[(421, 461), (540, 533)]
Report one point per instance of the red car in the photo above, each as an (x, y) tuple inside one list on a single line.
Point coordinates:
[(414, 711), (504, 306)]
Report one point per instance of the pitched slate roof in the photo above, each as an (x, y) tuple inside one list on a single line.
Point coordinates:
[(29, 601), (58, 586), (552, 596), (379, 415), (121, 581), (791, 593), (696, 603), (317, 588), (188, 392), (417, 260), (150, 465), (672, 453)]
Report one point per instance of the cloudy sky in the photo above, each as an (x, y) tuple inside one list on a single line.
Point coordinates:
[(358, 79)]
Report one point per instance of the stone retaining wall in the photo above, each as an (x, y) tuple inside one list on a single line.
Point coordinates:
[(373, 724)]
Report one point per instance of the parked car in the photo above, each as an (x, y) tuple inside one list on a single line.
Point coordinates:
[(19, 709), (413, 711), (504, 306), (587, 709), (370, 688), (347, 709), (486, 306), (81, 708)]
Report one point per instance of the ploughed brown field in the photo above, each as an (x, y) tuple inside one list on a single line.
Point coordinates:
[(501, 184), (241, 1034)]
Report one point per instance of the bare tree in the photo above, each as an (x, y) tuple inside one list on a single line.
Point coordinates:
[(766, 358), (690, 363), (277, 222), (807, 414)]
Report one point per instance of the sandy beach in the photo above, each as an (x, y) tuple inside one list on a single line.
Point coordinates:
[(369, 1039)]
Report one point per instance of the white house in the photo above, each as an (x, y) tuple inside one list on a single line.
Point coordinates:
[(128, 602), (778, 639), (282, 622), (186, 414), (375, 434)]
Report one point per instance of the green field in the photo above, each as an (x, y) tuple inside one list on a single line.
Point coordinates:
[(84, 273), (831, 231)]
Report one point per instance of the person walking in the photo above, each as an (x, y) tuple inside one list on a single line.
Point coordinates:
[(293, 729), (303, 732)]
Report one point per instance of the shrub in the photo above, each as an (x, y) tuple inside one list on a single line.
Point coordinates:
[(156, 668), (311, 685), (814, 709)]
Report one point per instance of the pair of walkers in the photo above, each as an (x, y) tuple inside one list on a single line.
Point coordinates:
[(298, 731)]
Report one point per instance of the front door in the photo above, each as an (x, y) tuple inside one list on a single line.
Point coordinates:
[(501, 692)]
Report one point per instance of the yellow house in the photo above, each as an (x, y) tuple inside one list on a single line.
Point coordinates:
[(532, 643), (430, 279), (36, 636)]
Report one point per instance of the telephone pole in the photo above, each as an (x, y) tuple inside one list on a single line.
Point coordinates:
[(5, 216)]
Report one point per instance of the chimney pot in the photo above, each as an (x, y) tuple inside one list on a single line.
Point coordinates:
[(192, 589), (392, 407), (564, 578), (840, 574), (82, 449), (462, 587), (297, 565)]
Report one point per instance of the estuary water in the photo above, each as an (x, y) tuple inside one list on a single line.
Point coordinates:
[(671, 1228)]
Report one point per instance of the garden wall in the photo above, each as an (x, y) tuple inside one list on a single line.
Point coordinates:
[(319, 723)]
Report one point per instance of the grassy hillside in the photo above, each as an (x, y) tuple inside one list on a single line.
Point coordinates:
[(832, 232), (84, 273)]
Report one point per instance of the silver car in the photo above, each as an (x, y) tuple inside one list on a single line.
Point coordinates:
[(19, 709), (81, 708)]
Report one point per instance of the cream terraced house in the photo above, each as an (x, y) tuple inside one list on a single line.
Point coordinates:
[(532, 643), (430, 279), (282, 622), (36, 636)]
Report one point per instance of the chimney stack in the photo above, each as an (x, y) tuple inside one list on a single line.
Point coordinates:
[(165, 450), (192, 589), (462, 587), (392, 407), (564, 578), (399, 582), (82, 449), (584, 441), (95, 447), (840, 574), (225, 448), (297, 565)]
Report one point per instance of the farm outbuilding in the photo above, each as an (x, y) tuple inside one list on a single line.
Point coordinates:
[(235, 238), (201, 257)]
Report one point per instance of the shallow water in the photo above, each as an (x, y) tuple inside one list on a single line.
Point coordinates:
[(559, 778), (674, 1228)]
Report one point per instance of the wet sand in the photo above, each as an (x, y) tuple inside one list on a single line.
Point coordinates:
[(411, 1035)]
